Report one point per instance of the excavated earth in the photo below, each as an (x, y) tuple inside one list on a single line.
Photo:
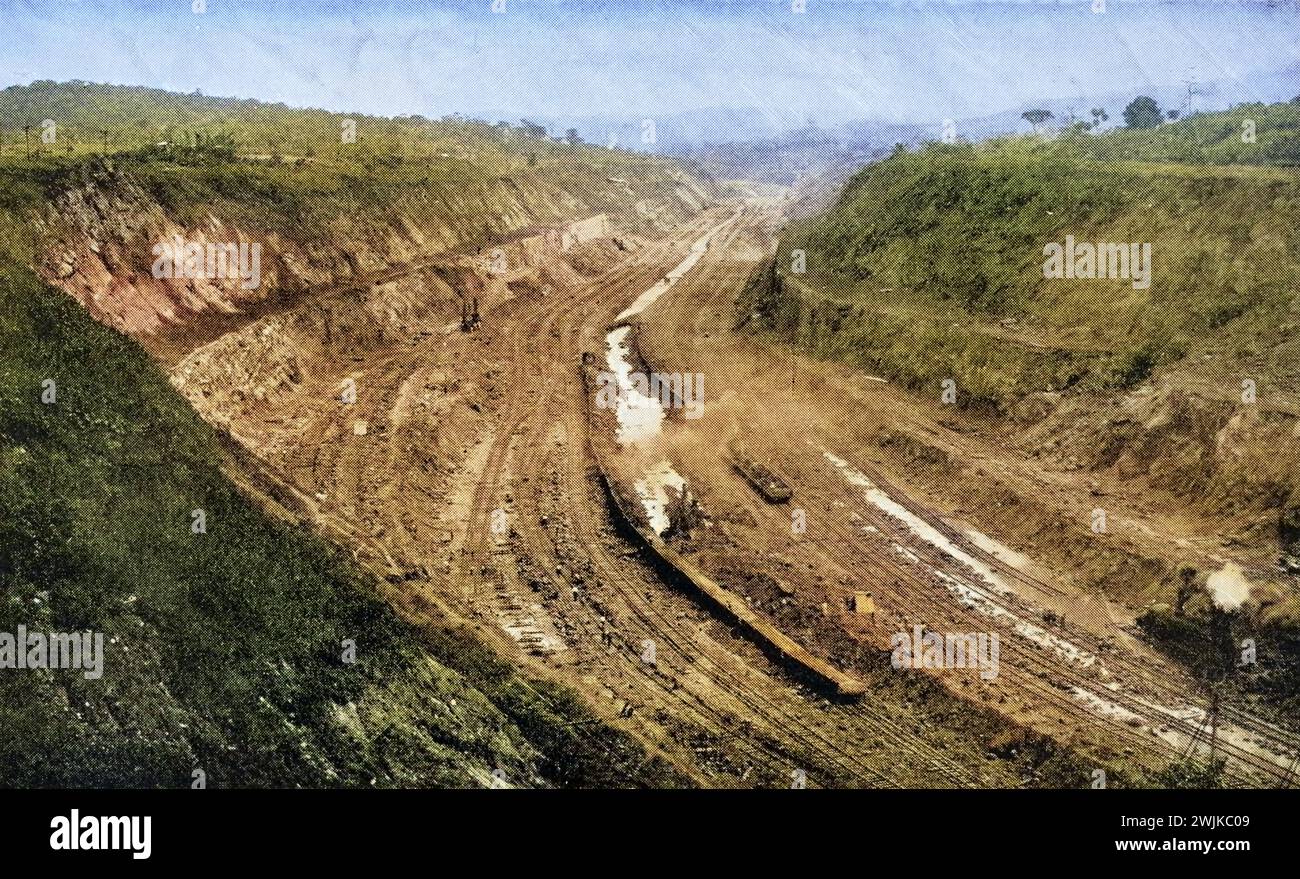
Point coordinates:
[(459, 465)]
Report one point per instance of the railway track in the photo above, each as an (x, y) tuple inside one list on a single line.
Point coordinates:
[(708, 687), (667, 632), (845, 545), (686, 648)]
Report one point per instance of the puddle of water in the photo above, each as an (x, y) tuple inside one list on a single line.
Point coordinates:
[(981, 603), (1105, 706), (653, 490), (646, 299), (916, 524), (999, 549), (640, 417), (640, 420), (966, 595), (1229, 586)]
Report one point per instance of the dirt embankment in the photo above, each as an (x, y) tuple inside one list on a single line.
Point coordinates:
[(105, 231), (1195, 464), (323, 352), (115, 246), (1224, 458), (342, 378)]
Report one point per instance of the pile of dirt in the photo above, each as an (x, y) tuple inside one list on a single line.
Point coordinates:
[(1233, 462)]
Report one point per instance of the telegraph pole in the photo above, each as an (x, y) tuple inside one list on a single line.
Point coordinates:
[(1214, 724)]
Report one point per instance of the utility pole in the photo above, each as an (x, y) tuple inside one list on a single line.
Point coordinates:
[(1193, 90), (27, 140), (1290, 771), (1214, 723)]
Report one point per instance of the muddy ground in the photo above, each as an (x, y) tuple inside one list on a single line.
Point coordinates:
[(458, 465)]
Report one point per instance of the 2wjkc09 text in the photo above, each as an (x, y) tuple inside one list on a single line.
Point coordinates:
[(1196, 821)]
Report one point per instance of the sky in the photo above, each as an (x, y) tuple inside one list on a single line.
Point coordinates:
[(834, 62)]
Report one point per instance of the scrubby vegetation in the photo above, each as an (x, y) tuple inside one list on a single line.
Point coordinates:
[(1251, 650), (1192, 774), (88, 115), (303, 172), (930, 264)]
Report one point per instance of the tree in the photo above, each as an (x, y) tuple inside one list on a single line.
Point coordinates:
[(1098, 116), (571, 137), (1036, 117), (1143, 112), (532, 129)]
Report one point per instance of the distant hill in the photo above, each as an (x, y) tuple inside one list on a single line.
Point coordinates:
[(802, 154), (675, 132), (776, 146), (87, 117)]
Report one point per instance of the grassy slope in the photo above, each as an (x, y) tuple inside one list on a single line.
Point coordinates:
[(272, 168), (954, 235), (136, 117), (913, 271)]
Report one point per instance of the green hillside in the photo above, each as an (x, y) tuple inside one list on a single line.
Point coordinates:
[(286, 170), (930, 264), (134, 117)]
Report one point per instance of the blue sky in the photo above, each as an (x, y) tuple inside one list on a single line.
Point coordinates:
[(835, 62)]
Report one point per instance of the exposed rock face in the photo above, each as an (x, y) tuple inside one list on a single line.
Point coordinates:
[(102, 234), (582, 231), (107, 229)]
